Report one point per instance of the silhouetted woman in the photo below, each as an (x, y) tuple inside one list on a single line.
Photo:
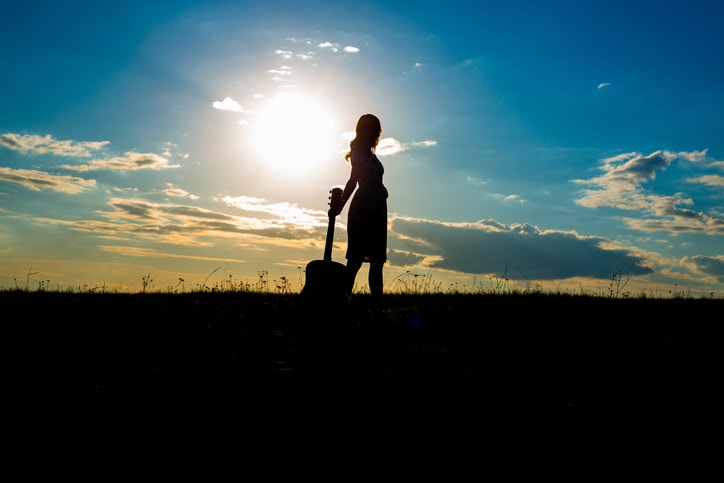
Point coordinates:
[(367, 216)]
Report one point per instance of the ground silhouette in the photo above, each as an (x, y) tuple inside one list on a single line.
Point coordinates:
[(161, 371)]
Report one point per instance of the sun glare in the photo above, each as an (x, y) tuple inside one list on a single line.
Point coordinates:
[(293, 134)]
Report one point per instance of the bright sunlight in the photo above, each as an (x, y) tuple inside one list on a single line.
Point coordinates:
[(294, 134)]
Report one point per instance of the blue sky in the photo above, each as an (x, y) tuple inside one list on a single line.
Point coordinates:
[(552, 145)]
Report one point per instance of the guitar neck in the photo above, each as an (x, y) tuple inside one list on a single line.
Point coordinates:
[(335, 202), (330, 239)]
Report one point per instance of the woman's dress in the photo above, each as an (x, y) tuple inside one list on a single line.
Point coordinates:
[(367, 215)]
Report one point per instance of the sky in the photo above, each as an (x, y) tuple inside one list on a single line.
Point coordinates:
[(176, 145)]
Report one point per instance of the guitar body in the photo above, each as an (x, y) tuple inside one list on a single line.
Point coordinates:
[(324, 289), (324, 292)]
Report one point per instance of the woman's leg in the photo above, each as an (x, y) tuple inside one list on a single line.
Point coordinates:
[(353, 266), (376, 285)]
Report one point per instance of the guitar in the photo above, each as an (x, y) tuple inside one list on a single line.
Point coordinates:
[(325, 284)]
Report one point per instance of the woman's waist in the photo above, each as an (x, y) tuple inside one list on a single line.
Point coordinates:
[(370, 182), (373, 186)]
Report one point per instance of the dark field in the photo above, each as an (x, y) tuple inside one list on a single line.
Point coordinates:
[(159, 374)]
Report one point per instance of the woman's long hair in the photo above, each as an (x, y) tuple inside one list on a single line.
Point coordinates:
[(367, 134)]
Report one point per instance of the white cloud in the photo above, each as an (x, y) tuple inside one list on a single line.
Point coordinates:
[(330, 46), (390, 146), (229, 104), (286, 54)]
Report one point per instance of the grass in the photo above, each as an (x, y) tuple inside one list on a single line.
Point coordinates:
[(407, 282), (163, 382)]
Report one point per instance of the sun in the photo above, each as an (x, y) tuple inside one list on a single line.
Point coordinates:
[(293, 134)]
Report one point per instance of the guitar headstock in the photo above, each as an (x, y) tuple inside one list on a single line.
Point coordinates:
[(335, 198)]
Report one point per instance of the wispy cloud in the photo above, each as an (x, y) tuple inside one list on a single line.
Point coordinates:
[(622, 187), (280, 73), (178, 192), (193, 226), (709, 180), (285, 54), (329, 45), (39, 180), (129, 162), (290, 212), (131, 251), (476, 181), (35, 144)]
